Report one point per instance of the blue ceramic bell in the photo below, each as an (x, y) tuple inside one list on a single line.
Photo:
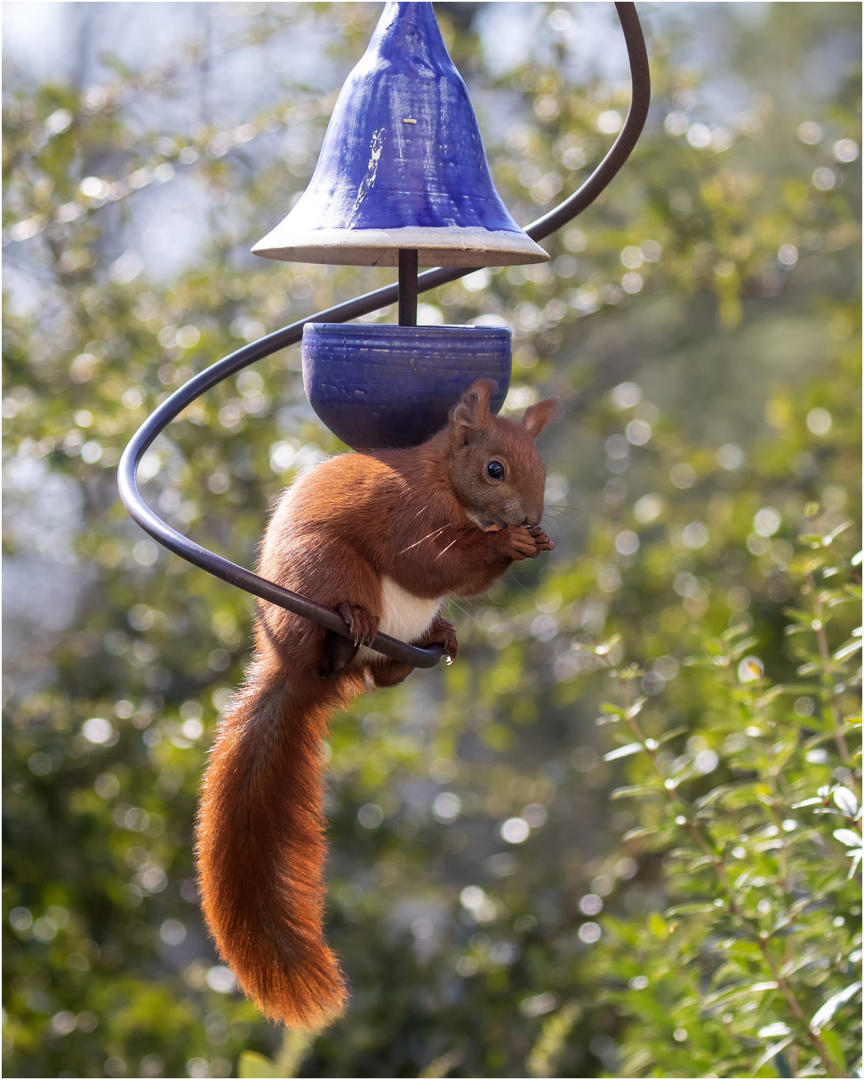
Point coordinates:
[(402, 165)]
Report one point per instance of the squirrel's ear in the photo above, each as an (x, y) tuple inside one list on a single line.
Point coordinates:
[(538, 416), (471, 413)]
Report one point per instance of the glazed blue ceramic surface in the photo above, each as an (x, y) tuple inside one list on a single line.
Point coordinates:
[(392, 386), (402, 165)]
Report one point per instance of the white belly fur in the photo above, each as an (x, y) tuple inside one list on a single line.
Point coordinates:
[(403, 615)]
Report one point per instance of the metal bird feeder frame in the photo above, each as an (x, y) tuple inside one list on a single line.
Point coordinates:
[(402, 180)]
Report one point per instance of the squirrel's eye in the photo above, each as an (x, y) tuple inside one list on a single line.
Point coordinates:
[(495, 470)]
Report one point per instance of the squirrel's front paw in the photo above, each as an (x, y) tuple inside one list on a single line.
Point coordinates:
[(541, 539), (517, 543), (363, 626), (443, 632)]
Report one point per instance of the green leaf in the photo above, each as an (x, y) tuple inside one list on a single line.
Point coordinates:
[(773, 1030), (641, 831), (821, 737), (849, 649), (673, 733), (832, 536), (699, 862), (733, 993), (605, 647), (771, 1052), (624, 751), (834, 1045), (787, 917), (633, 790), (824, 1014), (783, 751), (253, 1065), (743, 647), (657, 925), (706, 801), (804, 618), (691, 909)]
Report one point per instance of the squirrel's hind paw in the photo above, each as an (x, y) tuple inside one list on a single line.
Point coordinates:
[(443, 632), (363, 626)]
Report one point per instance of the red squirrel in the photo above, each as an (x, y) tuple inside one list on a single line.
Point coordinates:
[(382, 537)]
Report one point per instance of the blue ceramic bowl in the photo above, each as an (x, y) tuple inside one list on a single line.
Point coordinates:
[(383, 385)]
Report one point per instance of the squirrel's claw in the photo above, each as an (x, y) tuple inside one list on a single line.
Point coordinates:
[(363, 626)]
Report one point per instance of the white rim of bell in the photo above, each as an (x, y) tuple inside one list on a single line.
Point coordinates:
[(452, 246)]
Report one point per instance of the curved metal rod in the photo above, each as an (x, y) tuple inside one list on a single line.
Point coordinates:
[(159, 419)]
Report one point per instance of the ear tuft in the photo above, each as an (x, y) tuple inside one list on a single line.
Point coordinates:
[(538, 416), (471, 413)]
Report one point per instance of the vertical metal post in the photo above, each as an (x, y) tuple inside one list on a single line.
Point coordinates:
[(408, 289)]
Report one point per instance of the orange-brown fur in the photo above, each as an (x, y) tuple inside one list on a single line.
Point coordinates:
[(422, 517)]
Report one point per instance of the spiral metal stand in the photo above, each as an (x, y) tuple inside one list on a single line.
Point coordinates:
[(353, 309)]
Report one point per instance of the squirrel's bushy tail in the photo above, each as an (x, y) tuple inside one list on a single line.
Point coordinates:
[(261, 850)]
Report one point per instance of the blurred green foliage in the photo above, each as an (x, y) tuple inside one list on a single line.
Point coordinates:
[(514, 890)]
